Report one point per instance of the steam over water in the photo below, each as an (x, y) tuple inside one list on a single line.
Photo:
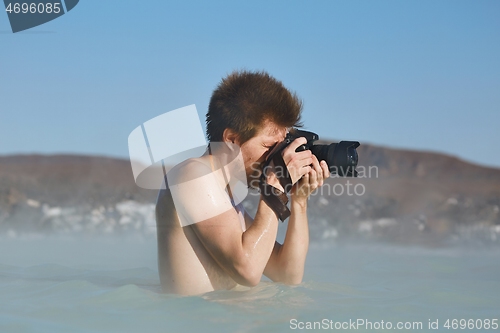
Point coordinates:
[(111, 285)]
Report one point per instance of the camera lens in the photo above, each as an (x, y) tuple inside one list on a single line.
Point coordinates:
[(342, 157), (352, 156)]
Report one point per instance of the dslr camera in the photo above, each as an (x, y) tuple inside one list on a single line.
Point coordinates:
[(341, 157)]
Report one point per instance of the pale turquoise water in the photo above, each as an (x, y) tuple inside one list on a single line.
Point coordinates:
[(104, 285)]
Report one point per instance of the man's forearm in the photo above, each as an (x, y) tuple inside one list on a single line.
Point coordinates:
[(258, 240), (293, 252)]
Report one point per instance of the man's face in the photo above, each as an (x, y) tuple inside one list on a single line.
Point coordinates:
[(255, 150)]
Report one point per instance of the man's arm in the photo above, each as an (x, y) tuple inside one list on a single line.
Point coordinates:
[(287, 261), (243, 255)]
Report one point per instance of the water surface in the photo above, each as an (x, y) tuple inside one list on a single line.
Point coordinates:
[(112, 285)]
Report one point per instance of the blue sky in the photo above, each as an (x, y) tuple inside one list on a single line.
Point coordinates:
[(406, 74)]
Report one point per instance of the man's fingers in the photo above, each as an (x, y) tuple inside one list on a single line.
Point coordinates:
[(306, 170), (313, 179), (303, 156), (304, 160), (326, 170), (296, 144), (318, 170), (298, 164)]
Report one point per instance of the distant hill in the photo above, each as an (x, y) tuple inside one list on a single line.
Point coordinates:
[(68, 180), (71, 193), (432, 193), (408, 194)]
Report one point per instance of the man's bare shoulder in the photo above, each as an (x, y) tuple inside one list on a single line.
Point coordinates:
[(198, 190), (181, 173), (189, 170)]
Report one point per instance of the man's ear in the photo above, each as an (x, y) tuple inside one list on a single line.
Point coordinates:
[(230, 136)]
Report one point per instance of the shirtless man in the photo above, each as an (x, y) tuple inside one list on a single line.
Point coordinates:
[(212, 243)]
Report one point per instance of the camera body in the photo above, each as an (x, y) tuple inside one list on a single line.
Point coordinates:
[(341, 157)]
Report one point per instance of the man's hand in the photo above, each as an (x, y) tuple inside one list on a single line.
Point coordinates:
[(298, 164), (311, 180)]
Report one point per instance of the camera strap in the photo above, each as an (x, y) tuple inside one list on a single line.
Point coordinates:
[(283, 174), (275, 198), (279, 165)]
